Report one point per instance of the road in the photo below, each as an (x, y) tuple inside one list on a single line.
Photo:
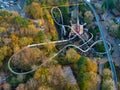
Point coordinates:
[(105, 44), (17, 7), (101, 66)]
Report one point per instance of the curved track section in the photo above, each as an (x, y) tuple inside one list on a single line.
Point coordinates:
[(62, 25)]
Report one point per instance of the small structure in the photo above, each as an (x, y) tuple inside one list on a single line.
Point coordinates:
[(117, 20), (79, 29), (116, 13)]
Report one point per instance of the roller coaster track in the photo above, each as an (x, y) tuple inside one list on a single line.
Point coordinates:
[(70, 45), (56, 42)]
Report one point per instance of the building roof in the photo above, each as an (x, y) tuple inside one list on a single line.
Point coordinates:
[(80, 30), (116, 12)]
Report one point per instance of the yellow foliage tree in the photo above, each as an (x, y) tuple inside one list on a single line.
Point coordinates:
[(16, 48), (7, 51), (42, 74), (14, 40), (34, 10), (2, 29), (72, 55), (92, 67), (24, 41)]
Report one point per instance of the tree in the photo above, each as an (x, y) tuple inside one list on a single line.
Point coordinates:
[(27, 58), (34, 10), (7, 51), (87, 74), (107, 74), (13, 81), (100, 48), (2, 29), (83, 65), (83, 80), (21, 87), (4, 13), (49, 48), (108, 85), (30, 30), (24, 41), (29, 2), (32, 84), (6, 86), (1, 57), (51, 26), (41, 36), (72, 56), (114, 30), (88, 16), (16, 48), (92, 67), (42, 75), (108, 4), (45, 87), (14, 40), (20, 21), (4, 52)]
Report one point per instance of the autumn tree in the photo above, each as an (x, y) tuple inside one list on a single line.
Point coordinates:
[(45, 87), (2, 29), (4, 52), (27, 58), (49, 49), (51, 26), (20, 21), (24, 41), (72, 56), (1, 57), (87, 75), (107, 82), (6, 86), (114, 29), (88, 16), (40, 37), (16, 48), (14, 39), (5, 14), (21, 87), (34, 10), (107, 74), (108, 85), (42, 74), (32, 84), (30, 30)]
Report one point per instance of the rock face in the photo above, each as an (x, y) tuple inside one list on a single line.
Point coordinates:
[(69, 75)]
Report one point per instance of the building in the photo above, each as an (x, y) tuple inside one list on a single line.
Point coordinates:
[(115, 12), (78, 29)]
